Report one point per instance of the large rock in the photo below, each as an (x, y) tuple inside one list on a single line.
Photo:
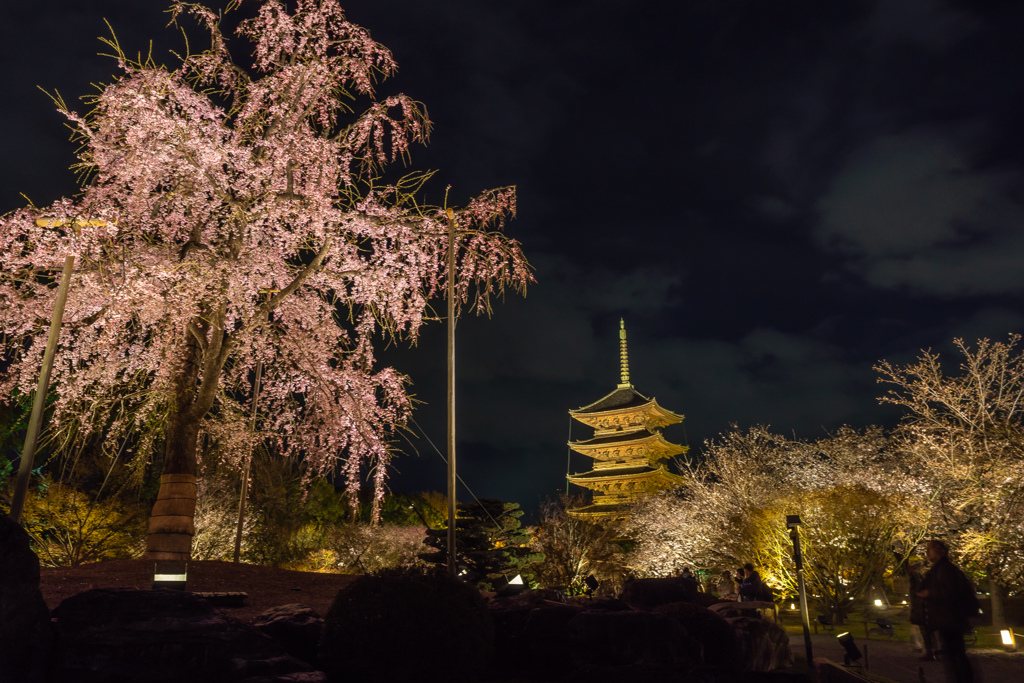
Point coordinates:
[(108, 635), (717, 638), (763, 645), (541, 597), (644, 594), (295, 627), (25, 634), (618, 638), (545, 639)]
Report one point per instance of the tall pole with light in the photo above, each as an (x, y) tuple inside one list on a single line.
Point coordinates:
[(793, 523), (35, 420)]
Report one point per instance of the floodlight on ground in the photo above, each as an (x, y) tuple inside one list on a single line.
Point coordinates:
[(172, 574), (514, 587), (1009, 640), (878, 603), (591, 583), (852, 651), (792, 605)]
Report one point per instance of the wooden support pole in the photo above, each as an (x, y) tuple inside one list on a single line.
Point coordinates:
[(244, 495)]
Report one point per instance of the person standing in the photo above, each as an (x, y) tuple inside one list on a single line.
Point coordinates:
[(726, 587), (918, 613), (692, 584), (950, 602), (752, 588)]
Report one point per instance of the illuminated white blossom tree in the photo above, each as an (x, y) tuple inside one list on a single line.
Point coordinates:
[(854, 492), (234, 214), (967, 434)]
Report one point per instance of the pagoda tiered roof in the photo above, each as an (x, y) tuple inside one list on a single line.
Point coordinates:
[(625, 407), (627, 446), (623, 446)]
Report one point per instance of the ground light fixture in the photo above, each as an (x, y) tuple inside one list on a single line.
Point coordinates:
[(1009, 640), (172, 574), (878, 603), (852, 651)]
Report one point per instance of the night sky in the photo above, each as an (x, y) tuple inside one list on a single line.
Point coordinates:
[(773, 195)]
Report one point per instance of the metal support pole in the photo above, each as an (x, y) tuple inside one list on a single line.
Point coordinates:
[(452, 569), (243, 497), (794, 533), (28, 453)]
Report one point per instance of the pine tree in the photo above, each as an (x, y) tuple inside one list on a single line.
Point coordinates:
[(491, 546)]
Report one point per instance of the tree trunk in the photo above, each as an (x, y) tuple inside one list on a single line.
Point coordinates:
[(172, 521), (998, 610)]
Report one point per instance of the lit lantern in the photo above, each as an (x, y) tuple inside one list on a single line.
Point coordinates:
[(1009, 640)]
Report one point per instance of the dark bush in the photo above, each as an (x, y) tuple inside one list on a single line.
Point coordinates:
[(406, 625), (716, 636)]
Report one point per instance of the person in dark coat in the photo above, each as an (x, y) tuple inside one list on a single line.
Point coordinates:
[(918, 612), (691, 581), (752, 588), (950, 602)]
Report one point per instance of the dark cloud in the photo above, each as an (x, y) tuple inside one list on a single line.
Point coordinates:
[(773, 195), (912, 213)]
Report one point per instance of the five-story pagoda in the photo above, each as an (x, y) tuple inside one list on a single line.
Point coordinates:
[(627, 448)]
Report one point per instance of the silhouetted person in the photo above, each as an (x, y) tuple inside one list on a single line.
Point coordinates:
[(692, 584), (752, 588), (919, 611), (950, 602)]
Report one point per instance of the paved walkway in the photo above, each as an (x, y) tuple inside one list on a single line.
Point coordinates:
[(897, 660)]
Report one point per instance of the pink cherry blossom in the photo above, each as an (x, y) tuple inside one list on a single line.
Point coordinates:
[(233, 216)]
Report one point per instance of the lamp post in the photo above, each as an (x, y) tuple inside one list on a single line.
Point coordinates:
[(793, 523), (28, 452)]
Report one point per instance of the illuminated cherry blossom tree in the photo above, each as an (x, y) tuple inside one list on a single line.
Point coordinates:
[(854, 491), (236, 213)]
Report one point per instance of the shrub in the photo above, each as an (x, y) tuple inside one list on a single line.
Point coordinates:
[(69, 527), (406, 625)]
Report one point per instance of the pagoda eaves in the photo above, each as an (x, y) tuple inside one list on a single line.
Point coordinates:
[(615, 448), (625, 407)]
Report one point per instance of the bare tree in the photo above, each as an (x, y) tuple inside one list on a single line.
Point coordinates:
[(574, 547)]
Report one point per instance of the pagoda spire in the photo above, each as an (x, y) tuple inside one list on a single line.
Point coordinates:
[(623, 356)]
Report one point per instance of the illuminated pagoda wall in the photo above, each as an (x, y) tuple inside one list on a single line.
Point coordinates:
[(627, 448)]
